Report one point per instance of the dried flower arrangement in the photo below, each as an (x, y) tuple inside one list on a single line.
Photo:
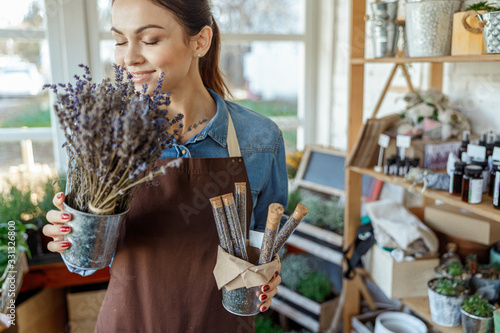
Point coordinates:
[(114, 134)]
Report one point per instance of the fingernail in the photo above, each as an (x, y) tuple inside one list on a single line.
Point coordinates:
[(59, 196), (276, 274), (65, 229), (65, 244), (266, 288), (263, 298), (65, 216), (263, 309)]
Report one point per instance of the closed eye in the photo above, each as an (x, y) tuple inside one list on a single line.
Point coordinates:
[(120, 44), (151, 43)]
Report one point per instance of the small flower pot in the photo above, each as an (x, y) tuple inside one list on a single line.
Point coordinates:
[(93, 238), (489, 289), (475, 324), (241, 301), (445, 310)]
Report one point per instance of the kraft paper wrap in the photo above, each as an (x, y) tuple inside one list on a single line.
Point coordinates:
[(234, 273)]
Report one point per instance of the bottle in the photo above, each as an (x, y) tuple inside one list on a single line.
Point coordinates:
[(388, 165), (486, 173), (496, 187), (493, 172), (472, 184), (451, 254), (462, 151), (490, 144), (484, 139), (457, 178)]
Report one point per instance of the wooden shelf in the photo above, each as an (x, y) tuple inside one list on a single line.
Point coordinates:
[(316, 249), (420, 305), (297, 315), (484, 209), (403, 60)]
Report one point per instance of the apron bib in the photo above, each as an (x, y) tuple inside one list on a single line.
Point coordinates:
[(162, 273)]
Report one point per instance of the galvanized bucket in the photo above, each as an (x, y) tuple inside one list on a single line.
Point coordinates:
[(93, 239), (475, 324), (384, 29), (491, 31), (241, 301), (429, 25)]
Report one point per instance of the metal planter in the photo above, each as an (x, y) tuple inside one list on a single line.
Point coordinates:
[(491, 31), (475, 324), (93, 239), (429, 25)]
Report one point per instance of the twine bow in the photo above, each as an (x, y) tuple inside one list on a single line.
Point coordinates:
[(472, 13)]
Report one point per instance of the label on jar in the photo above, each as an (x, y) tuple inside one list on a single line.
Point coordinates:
[(496, 190), (451, 184), (475, 191)]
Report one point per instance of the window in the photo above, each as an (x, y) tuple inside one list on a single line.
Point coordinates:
[(24, 68), (263, 56)]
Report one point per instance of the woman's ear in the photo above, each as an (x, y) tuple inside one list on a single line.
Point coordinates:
[(202, 41)]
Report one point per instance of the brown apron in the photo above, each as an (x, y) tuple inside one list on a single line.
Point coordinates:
[(161, 276)]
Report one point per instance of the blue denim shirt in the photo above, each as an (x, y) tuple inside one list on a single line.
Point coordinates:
[(262, 148)]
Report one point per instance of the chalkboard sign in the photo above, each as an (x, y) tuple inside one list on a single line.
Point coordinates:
[(323, 169)]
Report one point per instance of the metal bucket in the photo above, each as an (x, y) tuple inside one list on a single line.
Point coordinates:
[(242, 301), (429, 25), (475, 324), (93, 239), (491, 31), (384, 29)]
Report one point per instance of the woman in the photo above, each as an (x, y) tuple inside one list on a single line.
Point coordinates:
[(161, 275)]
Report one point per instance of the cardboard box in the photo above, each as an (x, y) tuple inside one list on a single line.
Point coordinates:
[(399, 279), (464, 42), (460, 223), (83, 309)]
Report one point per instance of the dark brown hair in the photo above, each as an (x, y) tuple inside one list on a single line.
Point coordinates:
[(193, 15)]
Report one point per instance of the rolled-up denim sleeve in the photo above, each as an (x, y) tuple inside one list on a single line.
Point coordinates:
[(275, 189)]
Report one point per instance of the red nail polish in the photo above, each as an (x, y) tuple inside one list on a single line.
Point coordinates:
[(263, 309), (266, 288), (276, 274), (263, 298), (65, 216), (65, 244), (59, 196), (65, 229)]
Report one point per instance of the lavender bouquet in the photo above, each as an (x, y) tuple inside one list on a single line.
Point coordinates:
[(114, 134)]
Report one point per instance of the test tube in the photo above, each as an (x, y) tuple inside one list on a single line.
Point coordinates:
[(274, 213), (234, 226), (221, 224), (290, 225), (241, 205)]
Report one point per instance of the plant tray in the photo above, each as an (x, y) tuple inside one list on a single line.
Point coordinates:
[(325, 311)]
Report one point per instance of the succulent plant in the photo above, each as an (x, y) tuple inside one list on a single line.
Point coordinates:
[(477, 306), (448, 287)]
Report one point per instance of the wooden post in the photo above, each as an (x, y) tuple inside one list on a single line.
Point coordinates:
[(436, 75)]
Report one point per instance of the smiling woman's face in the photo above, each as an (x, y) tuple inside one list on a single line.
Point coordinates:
[(149, 41)]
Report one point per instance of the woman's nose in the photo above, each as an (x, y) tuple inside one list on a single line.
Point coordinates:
[(133, 56)]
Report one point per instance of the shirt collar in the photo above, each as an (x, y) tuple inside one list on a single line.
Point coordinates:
[(217, 126)]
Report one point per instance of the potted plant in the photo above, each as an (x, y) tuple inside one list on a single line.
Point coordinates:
[(452, 270), (477, 315), (114, 136), (307, 288), (486, 281), (445, 298)]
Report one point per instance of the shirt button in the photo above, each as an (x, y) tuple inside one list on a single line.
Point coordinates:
[(183, 152)]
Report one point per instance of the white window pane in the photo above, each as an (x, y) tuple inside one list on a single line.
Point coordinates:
[(258, 16), (104, 7), (22, 14), (107, 49)]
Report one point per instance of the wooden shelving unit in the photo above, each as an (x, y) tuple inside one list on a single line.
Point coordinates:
[(353, 175)]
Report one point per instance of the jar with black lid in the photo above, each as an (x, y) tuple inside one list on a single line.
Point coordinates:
[(457, 178), (472, 184), (493, 172)]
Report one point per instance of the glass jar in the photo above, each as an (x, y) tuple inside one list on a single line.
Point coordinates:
[(486, 173), (457, 178), (493, 172), (472, 184)]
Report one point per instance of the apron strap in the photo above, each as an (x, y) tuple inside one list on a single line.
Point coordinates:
[(232, 140)]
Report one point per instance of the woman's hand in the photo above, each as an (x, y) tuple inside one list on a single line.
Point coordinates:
[(58, 229), (269, 291)]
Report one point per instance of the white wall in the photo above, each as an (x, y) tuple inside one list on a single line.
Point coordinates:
[(472, 87)]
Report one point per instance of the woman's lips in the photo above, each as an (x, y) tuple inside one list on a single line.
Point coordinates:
[(141, 77)]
